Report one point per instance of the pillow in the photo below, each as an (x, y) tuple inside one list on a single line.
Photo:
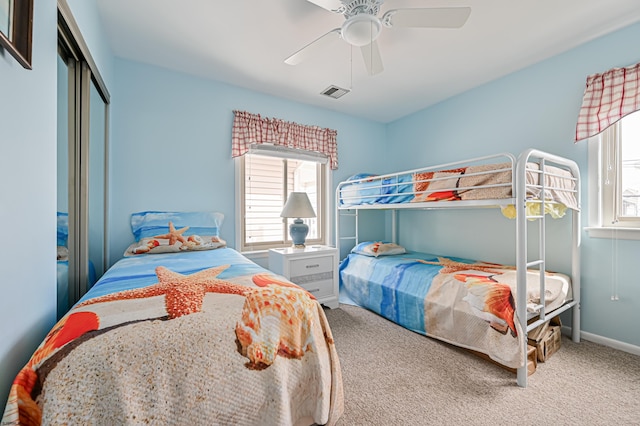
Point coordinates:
[(63, 228), (170, 232), (378, 248), (151, 223)]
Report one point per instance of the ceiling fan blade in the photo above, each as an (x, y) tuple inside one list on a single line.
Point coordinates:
[(330, 5), (314, 48), (372, 58), (439, 17)]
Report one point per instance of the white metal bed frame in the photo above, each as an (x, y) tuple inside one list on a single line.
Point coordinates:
[(519, 187)]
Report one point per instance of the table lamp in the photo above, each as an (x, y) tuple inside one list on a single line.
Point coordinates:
[(298, 206)]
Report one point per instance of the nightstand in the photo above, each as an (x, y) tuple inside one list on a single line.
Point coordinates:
[(315, 268)]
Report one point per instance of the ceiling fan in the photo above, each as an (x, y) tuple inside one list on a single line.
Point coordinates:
[(362, 27)]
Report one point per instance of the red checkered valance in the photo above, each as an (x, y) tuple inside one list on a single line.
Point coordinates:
[(608, 97), (252, 128)]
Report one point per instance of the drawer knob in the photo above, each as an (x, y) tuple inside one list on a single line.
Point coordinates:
[(313, 290), (312, 266)]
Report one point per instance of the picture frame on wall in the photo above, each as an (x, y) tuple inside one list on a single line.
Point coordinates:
[(16, 28)]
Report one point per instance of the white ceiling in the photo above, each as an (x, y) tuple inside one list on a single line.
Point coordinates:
[(245, 42)]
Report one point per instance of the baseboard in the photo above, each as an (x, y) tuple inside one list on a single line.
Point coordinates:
[(605, 341)]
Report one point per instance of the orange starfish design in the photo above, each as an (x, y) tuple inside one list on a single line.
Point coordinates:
[(450, 266), (174, 235), (184, 294)]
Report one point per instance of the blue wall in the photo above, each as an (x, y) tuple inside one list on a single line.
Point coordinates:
[(28, 170), (171, 150), (171, 144), (87, 17), (28, 197), (535, 107)]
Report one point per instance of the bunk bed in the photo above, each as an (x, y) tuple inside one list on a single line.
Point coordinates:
[(183, 330), (447, 297)]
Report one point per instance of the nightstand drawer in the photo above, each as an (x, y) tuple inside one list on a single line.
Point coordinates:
[(311, 266), (319, 289)]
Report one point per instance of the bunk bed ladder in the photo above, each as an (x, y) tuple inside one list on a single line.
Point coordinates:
[(522, 257), (354, 238), (522, 262)]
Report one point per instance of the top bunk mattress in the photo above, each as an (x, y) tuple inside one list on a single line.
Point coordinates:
[(476, 182)]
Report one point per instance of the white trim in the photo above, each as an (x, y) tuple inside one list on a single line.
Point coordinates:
[(611, 232), (601, 212), (596, 228), (329, 207), (286, 152), (325, 203), (238, 204), (594, 167), (605, 341)]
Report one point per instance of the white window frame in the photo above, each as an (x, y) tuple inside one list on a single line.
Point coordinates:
[(604, 222), (324, 209)]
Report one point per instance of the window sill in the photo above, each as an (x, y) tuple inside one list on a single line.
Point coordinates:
[(617, 233)]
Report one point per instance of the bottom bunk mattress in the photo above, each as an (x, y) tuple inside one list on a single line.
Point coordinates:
[(184, 338), (467, 303)]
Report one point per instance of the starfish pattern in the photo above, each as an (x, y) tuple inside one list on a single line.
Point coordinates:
[(174, 235), (450, 266), (184, 294)]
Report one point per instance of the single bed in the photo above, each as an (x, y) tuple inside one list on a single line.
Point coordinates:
[(482, 306), (192, 336), (465, 302)]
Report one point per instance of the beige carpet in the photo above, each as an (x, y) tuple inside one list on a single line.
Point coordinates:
[(393, 376)]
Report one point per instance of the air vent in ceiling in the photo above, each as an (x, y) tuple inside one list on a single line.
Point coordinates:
[(334, 92)]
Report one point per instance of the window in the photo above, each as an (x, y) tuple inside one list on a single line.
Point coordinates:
[(265, 180), (618, 185)]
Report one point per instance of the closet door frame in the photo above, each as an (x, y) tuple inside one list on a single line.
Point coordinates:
[(83, 72)]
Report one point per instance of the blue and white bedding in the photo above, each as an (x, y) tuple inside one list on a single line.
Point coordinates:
[(464, 302), (481, 182), (195, 337), (369, 189)]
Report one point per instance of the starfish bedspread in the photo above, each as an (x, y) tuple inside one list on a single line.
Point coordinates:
[(187, 338), (464, 302)]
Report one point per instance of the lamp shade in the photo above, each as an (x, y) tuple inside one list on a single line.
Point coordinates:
[(298, 205)]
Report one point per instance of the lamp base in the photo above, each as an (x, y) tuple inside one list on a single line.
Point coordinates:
[(298, 231)]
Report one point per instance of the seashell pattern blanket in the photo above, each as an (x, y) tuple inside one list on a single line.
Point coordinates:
[(184, 338), (467, 303)]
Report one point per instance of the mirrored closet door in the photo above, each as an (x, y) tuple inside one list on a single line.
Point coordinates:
[(83, 102)]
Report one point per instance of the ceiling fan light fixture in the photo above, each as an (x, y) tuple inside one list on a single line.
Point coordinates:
[(360, 30)]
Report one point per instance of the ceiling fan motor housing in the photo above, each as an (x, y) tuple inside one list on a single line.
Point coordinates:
[(357, 7), (362, 25)]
